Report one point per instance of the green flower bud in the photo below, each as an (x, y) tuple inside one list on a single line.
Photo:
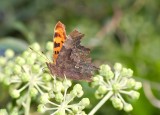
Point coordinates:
[(17, 69), (9, 53), (126, 72), (41, 108), (15, 93), (15, 111), (75, 109), (134, 94), (26, 54), (58, 86), (85, 102), (67, 83), (60, 112), (104, 69), (33, 56), (80, 94), (73, 93), (51, 94), (36, 68), (44, 98), (109, 75), (49, 46), (6, 81), (46, 77), (96, 78), (33, 92), (19, 102), (3, 61), (102, 89), (59, 97), (93, 84), (117, 67), (35, 46), (130, 73), (30, 61), (98, 95), (25, 77), (41, 58), (128, 107), (78, 88), (7, 71), (19, 60), (3, 112), (138, 85), (49, 86), (131, 83), (82, 113), (100, 78), (117, 103), (95, 81)]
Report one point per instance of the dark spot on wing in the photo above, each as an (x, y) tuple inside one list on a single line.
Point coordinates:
[(56, 45), (56, 52)]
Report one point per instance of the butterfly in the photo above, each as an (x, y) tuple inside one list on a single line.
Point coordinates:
[(70, 59)]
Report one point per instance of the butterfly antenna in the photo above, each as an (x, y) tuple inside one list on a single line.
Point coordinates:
[(46, 57), (40, 54)]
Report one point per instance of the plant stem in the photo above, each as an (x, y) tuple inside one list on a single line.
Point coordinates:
[(107, 96), (27, 106)]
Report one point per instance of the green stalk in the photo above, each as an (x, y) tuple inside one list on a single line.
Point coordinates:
[(27, 106), (107, 96)]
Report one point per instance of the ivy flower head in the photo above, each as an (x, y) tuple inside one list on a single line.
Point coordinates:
[(60, 101), (117, 84), (7, 58), (26, 77)]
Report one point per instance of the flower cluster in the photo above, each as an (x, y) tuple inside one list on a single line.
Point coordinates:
[(116, 85), (60, 102), (25, 75), (7, 58)]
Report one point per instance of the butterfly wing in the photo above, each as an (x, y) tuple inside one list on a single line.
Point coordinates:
[(58, 39), (70, 58), (73, 60)]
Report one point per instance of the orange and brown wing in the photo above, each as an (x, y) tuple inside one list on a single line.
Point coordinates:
[(58, 39)]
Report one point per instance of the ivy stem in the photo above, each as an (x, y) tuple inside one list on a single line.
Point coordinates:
[(27, 106), (107, 96)]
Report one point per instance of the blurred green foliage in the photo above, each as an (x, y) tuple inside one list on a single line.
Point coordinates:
[(126, 31)]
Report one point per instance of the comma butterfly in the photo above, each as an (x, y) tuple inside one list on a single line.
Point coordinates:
[(70, 58)]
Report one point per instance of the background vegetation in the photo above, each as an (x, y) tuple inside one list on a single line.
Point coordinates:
[(125, 31)]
